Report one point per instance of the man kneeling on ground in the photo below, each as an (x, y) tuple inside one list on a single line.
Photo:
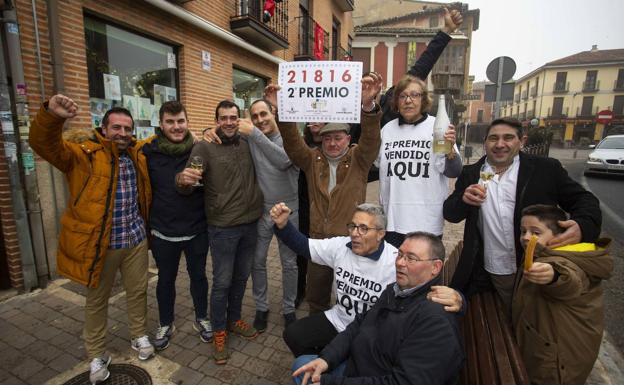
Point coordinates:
[(403, 338)]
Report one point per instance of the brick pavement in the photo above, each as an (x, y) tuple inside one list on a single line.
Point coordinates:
[(40, 337)]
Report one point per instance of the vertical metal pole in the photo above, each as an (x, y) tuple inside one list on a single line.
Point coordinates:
[(499, 87), (27, 155), (17, 193)]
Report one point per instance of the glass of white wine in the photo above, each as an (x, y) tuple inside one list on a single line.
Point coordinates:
[(485, 175), (197, 163)]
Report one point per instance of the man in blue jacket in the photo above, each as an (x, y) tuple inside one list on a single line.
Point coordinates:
[(177, 223), (403, 338)]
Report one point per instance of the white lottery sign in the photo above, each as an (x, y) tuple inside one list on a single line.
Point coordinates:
[(320, 91)]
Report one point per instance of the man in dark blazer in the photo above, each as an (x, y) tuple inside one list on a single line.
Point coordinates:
[(516, 180)]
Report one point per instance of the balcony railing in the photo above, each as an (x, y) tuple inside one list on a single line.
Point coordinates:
[(561, 87), (530, 114), (525, 94), (444, 82), (517, 98), (534, 91), (522, 116), (586, 113), (249, 24), (343, 54), (307, 26), (618, 85), (592, 86)]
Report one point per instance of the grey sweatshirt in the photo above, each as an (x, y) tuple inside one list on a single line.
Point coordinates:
[(277, 176)]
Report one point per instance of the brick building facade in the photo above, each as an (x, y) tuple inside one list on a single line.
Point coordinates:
[(207, 51)]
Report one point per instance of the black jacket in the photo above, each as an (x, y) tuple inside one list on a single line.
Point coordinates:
[(172, 214), (421, 69), (540, 181), (398, 341)]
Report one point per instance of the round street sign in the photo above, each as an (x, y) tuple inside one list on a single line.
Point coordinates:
[(605, 117), (509, 69)]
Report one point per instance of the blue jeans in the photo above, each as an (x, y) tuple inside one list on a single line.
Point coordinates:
[(302, 360), (167, 256), (232, 257)]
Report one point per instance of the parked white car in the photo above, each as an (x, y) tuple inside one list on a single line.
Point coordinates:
[(607, 157)]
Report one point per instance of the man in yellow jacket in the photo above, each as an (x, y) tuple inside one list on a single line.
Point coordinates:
[(103, 228)]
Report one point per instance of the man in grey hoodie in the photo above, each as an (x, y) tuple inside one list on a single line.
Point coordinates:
[(278, 180)]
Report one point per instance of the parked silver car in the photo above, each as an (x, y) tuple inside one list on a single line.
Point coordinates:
[(607, 157)]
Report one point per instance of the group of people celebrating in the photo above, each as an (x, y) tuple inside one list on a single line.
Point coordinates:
[(393, 321)]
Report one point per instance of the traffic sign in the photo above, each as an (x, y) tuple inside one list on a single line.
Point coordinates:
[(605, 117), (509, 69)]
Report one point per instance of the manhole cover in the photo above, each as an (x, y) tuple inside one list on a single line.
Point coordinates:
[(121, 374)]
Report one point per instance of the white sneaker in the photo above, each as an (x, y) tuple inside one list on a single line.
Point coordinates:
[(143, 346), (99, 369)]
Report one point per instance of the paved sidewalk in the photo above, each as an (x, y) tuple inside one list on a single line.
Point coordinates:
[(40, 337)]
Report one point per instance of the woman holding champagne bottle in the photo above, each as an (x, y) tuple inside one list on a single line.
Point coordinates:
[(414, 166)]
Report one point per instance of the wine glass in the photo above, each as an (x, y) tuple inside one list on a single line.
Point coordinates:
[(485, 175), (197, 163)]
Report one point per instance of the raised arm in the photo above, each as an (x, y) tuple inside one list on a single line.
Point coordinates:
[(422, 67), (46, 132), (274, 151)]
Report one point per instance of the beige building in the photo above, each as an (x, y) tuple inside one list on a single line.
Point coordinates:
[(567, 94)]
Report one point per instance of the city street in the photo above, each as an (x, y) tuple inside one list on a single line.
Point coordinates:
[(608, 189)]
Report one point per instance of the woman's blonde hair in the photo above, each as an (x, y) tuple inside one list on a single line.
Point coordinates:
[(425, 100)]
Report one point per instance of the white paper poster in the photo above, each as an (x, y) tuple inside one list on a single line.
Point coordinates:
[(112, 87), (206, 61), (145, 109), (131, 103), (155, 118), (320, 91), (143, 132), (171, 60), (171, 94)]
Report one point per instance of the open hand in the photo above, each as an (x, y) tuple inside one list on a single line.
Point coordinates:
[(570, 236), (446, 296), (312, 371)]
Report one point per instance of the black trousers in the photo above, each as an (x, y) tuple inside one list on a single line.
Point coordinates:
[(309, 335)]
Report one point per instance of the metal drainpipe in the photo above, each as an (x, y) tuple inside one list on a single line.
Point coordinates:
[(58, 87), (27, 155), (17, 193)]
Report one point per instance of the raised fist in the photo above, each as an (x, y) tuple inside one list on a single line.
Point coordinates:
[(62, 107)]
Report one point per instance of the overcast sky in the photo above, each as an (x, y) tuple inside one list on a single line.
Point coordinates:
[(534, 32)]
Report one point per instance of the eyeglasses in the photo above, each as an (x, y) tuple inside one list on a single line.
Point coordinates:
[(362, 229), (411, 258), (411, 95)]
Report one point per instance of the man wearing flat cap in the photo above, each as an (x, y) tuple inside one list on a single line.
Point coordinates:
[(336, 174)]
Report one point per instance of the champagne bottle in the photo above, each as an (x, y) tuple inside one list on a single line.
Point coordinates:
[(440, 125)]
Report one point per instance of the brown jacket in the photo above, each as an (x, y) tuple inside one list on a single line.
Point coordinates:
[(89, 162), (231, 192), (559, 326), (330, 213)]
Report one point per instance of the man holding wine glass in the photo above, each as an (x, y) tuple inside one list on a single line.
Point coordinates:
[(177, 223), (491, 194), (233, 204)]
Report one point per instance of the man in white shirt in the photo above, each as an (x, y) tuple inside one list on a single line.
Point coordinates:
[(490, 195)]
